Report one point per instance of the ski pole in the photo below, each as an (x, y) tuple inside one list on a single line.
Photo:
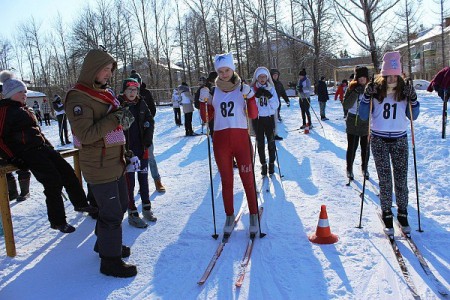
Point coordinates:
[(215, 235), (367, 156), (414, 155), (444, 115), (261, 234), (276, 155)]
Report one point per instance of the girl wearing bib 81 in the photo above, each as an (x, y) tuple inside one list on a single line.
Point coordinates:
[(389, 143), (231, 139)]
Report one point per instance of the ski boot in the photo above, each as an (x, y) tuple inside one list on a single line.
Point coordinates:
[(402, 217), (388, 222)]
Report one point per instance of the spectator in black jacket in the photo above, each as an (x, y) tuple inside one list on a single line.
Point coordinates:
[(322, 94), (146, 95), (281, 92), (24, 145)]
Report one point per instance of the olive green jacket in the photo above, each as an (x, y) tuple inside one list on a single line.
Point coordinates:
[(92, 124)]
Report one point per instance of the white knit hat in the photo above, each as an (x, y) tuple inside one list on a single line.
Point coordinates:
[(11, 85), (224, 60)]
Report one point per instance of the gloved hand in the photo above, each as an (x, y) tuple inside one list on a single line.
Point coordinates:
[(267, 94), (409, 92), (128, 155), (370, 90), (359, 89), (300, 88), (259, 92), (18, 162), (125, 117)]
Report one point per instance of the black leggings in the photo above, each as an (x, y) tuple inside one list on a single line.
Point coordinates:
[(352, 146)]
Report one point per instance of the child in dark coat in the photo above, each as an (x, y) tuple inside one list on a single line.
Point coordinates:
[(24, 145)]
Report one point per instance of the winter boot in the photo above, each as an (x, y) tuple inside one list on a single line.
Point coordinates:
[(12, 188), (277, 138), (134, 219), (350, 175), (402, 217), (64, 228), (126, 251), (303, 126), (271, 168), (229, 224), (159, 186), (147, 212), (115, 266), (253, 224), (388, 222), (24, 190), (264, 170)]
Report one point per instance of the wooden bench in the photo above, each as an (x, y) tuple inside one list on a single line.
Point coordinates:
[(4, 199)]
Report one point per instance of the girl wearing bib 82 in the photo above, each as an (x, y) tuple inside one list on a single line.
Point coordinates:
[(231, 140), (389, 144)]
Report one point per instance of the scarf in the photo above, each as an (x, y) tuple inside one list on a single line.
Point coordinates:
[(104, 96), (228, 86)]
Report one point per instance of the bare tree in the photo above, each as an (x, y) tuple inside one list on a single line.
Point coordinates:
[(408, 13), (5, 53), (367, 13)]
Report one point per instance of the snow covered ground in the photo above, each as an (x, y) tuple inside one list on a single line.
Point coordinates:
[(172, 254)]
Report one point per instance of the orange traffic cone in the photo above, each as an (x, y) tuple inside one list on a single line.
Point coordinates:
[(306, 128), (323, 233)]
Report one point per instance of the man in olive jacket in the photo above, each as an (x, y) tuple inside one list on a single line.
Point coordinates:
[(97, 122)]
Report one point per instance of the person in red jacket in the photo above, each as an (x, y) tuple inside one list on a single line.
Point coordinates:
[(230, 105), (340, 93)]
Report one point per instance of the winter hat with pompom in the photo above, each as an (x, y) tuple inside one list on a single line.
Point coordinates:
[(130, 82), (11, 85), (391, 64)]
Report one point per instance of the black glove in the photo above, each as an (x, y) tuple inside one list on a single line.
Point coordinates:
[(300, 88), (259, 92), (370, 90), (267, 94), (18, 162), (125, 117), (128, 155), (409, 92), (359, 89)]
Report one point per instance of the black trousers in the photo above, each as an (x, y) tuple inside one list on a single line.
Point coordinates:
[(188, 123), (54, 172), (112, 201), (177, 114), (264, 128), (304, 107), (47, 119), (352, 146), (62, 125)]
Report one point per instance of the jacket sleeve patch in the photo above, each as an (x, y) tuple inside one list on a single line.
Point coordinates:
[(77, 110)]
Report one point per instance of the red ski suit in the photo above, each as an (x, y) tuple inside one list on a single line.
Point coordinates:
[(231, 140)]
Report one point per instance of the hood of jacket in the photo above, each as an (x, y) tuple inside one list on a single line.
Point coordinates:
[(93, 63)]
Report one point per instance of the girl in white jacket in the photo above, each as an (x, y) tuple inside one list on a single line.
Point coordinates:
[(267, 102)]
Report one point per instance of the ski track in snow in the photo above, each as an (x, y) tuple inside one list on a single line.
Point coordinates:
[(172, 253)]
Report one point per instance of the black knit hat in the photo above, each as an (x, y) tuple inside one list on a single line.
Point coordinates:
[(130, 82), (136, 76), (274, 71), (212, 76), (361, 72), (302, 73)]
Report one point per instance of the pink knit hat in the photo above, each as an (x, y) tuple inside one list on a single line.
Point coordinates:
[(391, 64)]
